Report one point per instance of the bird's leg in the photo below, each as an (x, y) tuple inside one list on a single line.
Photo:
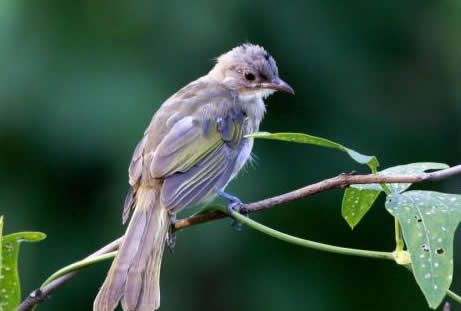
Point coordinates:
[(235, 205), (170, 236)]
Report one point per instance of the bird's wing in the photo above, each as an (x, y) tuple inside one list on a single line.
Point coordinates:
[(188, 142), (193, 102), (198, 156)]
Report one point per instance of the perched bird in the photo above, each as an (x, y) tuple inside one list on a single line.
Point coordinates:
[(194, 145)]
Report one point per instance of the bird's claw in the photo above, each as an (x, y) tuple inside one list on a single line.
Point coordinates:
[(235, 205)]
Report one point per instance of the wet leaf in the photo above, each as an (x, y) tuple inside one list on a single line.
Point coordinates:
[(357, 201), (429, 220), (410, 169), (10, 290), (371, 161)]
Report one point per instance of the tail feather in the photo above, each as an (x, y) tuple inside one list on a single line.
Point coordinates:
[(137, 269), (135, 273), (150, 295)]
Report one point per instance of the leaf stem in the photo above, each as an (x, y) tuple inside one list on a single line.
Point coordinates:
[(399, 244), (307, 243), (454, 296), (385, 188), (77, 266)]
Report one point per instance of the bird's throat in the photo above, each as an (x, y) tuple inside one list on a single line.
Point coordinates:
[(252, 95)]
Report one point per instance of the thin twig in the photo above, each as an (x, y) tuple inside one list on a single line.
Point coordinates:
[(340, 181), (41, 294)]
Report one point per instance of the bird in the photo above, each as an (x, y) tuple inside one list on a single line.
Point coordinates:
[(194, 146)]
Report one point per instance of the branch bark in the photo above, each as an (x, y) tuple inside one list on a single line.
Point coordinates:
[(337, 182), (340, 181)]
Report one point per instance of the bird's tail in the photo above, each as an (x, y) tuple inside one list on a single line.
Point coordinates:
[(134, 275)]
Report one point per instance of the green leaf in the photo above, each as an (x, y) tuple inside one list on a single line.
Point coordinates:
[(10, 289), (357, 201), (371, 161), (1, 230), (429, 220), (409, 169)]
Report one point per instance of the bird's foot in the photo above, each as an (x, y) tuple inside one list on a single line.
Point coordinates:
[(235, 205), (170, 236)]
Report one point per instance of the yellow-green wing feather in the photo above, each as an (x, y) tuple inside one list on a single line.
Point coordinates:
[(197, 157), (184, 146)]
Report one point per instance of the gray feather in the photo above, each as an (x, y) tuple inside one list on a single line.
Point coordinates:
[(143, 243), (186, 189), (136, 165), (138, 265), (129, 202)]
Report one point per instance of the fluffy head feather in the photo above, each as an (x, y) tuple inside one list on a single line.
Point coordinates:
[(250, 70)]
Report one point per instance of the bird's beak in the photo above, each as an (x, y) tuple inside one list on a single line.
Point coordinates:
[(278, 84)]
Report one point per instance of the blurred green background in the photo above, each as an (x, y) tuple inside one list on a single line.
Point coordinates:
[(80, 81)]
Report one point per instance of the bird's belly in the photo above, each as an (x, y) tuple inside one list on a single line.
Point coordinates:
[(251, 126)]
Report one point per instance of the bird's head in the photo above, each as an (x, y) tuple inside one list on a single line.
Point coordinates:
[(249, 70)]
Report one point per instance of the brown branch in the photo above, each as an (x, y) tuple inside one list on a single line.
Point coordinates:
[(340, 181)]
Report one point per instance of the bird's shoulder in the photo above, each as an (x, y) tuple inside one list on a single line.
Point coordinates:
[(196, 95), (201, 99)]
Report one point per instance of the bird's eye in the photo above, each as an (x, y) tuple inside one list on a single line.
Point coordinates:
[(249, 76), (263, 76)]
